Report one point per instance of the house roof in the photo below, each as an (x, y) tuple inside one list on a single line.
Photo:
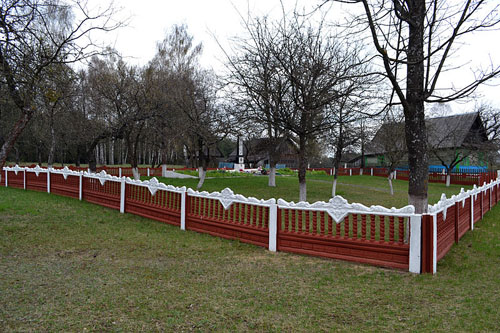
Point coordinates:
[(442, 133)]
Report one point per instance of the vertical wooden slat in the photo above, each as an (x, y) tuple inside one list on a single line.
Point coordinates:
[(391, 228), (262, 217), (363, 226), (401, 229), (314, 223), (330, 225), (355, 226), (371, 222), (322, 223), (382, 227)]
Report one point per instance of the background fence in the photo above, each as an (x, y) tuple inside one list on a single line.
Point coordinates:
[(396, 238)]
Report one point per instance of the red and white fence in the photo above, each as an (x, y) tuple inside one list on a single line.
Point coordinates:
[(396, 238)]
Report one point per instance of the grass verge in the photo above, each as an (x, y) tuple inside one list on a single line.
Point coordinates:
[(72, 266)]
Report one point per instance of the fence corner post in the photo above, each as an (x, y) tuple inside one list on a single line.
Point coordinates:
[(122, 195), (415, 244), (428, 243), (273, 227), (456, 208), (183, 209), (48, 180)]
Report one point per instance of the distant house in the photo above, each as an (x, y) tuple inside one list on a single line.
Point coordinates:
[(462, 135)]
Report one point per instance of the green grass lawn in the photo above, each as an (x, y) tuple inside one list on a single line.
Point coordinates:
[(67, 265), (361, 189)]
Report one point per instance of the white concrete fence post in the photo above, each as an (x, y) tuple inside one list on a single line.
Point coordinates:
[(273, 227), (122, 196), (148, 173), (120, 172), (183, 209), (48, 180), (415, 243), (80, 188), (350, 172), (434, 243), (371, 172), (24, 179), (472, 212), (6, 182)]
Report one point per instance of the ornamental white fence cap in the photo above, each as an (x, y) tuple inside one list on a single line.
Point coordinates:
[(444, 203), (102, 176), (154, 185), (227, 197), (15, 168), (66, 172), (338, 208)]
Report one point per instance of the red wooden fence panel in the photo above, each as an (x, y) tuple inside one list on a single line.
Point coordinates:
[(14, 180), (464, 217), (36, 183), (164, 206), (402, 174), (248, 223), (107, 195), (445, 232), (373, 239), (380, 172), (69, 187)]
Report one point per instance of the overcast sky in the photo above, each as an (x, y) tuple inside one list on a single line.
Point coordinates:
[(150, 20)]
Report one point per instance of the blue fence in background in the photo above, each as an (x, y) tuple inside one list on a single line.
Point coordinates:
[(458, 169)]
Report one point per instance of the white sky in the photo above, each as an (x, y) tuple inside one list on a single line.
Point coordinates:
[(150, 20)]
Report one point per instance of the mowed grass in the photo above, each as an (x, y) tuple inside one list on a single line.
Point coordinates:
[(67, 265), (367, 190)]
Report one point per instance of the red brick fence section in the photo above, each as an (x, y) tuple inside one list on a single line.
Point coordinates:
[(395, 238), (462, 178)]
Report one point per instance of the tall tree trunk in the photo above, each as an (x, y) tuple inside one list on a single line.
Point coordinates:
[(52, 150), (201, 174), (302, 169), (164, 157), (202, 163), (13, 135), (334, 185), (390, 178), (415, 131), (112, 152), (272, 173)]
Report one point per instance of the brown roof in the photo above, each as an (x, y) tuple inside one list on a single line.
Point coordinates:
[(442, 132)]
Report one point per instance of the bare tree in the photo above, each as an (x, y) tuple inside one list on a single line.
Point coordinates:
[(34, 36), (345, 114), (390, 141), (414, 40), (259, 89)]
